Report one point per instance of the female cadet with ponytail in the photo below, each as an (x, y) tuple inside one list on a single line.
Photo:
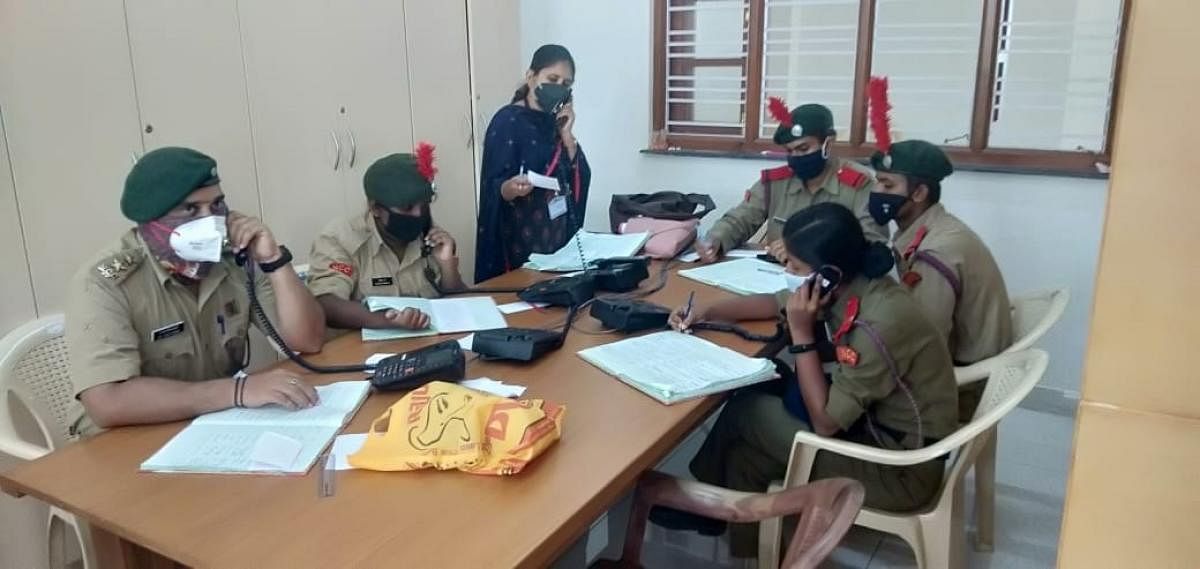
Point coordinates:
[(534, 133), (893, 385)]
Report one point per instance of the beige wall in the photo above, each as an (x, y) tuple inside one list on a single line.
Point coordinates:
[(1133, 499)]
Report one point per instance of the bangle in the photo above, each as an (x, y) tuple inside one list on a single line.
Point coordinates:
[(239, 383)]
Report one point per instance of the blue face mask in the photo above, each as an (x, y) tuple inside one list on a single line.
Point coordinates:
[(810, 165)]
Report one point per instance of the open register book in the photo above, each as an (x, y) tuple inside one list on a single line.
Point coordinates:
[(673, 367), (446, 316), (270, 440), (740, 276)]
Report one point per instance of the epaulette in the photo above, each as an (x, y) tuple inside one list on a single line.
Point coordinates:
[(776, 174), (849, 176), (119, 265)]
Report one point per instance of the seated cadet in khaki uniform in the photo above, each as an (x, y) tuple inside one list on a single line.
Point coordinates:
[(811, 176), (157, 323), (948, 268), (385, 250), (879, 329)]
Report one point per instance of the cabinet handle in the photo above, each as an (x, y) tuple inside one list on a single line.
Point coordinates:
[(337, 150), (353, 147)]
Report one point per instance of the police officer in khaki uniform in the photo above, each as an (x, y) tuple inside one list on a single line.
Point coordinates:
[(811, 176), (393, 249), (947, 266), (840, 276), (157, 322)]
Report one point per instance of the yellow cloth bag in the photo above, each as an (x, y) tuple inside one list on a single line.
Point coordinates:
[(444, 426)]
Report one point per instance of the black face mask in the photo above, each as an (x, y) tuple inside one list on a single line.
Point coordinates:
[(405, 228), (884, 207), (551, 96), (808, 166)]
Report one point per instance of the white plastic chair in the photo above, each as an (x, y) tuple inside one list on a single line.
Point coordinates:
[(34, 374), (936, 533), (1033, 315)]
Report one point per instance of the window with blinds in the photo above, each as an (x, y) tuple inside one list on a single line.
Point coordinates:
[(1009, 83)]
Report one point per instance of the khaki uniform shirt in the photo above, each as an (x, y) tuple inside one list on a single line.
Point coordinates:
[(789, 196), (351, 261), (128, 317), (867, 386), (976, 321)]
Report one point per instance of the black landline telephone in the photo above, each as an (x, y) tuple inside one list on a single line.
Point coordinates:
[(402, 371), (520, 344)]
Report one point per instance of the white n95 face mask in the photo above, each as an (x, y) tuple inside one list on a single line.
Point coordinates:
[(201, 240)]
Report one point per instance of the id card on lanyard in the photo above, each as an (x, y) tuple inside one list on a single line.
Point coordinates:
[(558, 204)]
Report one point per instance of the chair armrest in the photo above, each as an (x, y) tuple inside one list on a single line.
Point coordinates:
[(883, 456), (21, 449), (977, 371)]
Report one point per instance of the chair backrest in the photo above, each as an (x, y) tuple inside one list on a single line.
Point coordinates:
[(1033, 315), (34, 370), (1011, 376)]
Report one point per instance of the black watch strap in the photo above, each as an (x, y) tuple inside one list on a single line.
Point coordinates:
[(285, 257), (802, 348)]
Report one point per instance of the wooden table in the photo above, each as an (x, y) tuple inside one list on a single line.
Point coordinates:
[(424, 519)]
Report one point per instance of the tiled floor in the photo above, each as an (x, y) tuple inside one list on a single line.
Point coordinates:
[(1034, 453)]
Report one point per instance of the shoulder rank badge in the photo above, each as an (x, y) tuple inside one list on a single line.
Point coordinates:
[(847, 356), (118, 265), (851, 177)]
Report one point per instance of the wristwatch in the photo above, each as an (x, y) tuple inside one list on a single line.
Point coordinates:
[(802, 348), (285, 257)]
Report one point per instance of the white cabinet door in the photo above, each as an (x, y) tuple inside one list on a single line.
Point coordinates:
[(291, 58), (372, 74), (191, 86), (15, 288), (441, 113), (497, 64), (71, 120)]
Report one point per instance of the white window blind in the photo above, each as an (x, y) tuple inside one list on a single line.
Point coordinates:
[(1054, 74), (929, 51), (706, 67), (809, 49)]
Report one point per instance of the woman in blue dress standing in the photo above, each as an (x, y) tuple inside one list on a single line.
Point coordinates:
[(531, 134)]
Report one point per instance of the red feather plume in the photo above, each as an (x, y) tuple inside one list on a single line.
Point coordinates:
[(779, 111), (880, 113), (425, 161)]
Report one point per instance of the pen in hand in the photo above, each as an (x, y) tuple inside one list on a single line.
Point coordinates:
[(687, 309)]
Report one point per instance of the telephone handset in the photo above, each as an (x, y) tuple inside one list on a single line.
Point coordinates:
[(830, 279), (560, 121)]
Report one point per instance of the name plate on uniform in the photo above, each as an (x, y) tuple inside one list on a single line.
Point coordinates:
[(167, 331), (382, 281)]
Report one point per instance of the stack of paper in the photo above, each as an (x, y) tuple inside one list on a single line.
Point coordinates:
[(595, 246), (740, 276), (267, 440), (446, 316), (673, 367)]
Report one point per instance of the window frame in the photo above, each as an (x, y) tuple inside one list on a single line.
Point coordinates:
[(976, 155)]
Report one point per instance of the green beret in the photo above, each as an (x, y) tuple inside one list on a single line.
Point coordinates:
[(915, 158), (162, 179), (394, 181), (807, 120)]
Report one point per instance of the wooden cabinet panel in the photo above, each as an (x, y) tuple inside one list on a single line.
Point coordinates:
[(191, 86), (441, 113), (71, 121), (291, 71)]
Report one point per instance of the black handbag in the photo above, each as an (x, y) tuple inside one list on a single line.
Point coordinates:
[(660, 205)]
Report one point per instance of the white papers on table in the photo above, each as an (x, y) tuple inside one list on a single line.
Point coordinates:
[(520, 306), (266, 440), (595, 246), (672, 367), (446, 316), (692, 256), (467, 341), (343, 447), (740, 276), (493, 387)]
